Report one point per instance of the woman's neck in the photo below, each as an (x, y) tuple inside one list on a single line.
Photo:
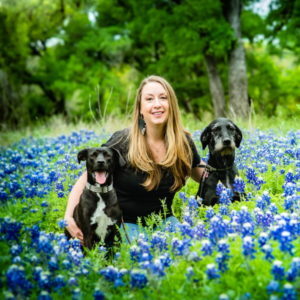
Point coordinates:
[(155, 134)]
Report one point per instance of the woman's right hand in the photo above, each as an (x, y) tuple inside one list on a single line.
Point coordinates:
[(73, 229)]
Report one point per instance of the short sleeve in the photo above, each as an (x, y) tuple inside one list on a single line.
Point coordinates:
[(119, 142)]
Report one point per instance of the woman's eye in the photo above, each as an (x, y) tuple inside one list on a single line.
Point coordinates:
[(164, 98), (149, 99)]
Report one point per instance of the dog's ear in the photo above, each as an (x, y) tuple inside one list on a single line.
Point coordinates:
[(119, 157), (82, 155), (205, 137), (238, 136)]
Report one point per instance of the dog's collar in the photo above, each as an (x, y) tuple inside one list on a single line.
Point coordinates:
[(99, 188), (212, 169)]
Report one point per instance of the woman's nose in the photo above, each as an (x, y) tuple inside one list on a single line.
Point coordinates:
[(157, 102)]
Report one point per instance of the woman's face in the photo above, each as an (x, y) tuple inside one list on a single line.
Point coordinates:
[(154, 104)]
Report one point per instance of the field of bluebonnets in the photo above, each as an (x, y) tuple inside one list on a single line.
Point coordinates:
[(246, 250)]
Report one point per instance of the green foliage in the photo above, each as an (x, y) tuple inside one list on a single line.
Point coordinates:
[(84, 59)]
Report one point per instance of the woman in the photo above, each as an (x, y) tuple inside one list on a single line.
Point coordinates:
[(159, 157)]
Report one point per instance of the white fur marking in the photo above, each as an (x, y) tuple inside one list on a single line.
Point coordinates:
[(101, 219)]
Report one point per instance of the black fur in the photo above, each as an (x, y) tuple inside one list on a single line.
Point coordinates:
[(221, 136), (98, 159)]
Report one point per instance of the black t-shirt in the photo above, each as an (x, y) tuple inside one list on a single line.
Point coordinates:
[(134, 199)]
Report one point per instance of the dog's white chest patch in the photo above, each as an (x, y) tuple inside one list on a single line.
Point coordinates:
[(101, 219)]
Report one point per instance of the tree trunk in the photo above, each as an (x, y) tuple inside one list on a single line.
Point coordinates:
[(238, 82), (215, 86)]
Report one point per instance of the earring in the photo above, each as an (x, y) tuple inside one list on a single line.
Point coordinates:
[(142, 125)]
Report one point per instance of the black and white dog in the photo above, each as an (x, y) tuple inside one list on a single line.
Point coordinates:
[(98, 211), (221, 136)]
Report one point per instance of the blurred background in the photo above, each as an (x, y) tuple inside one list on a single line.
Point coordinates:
[(83, 59)]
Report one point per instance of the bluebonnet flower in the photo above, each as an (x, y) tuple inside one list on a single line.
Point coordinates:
[(193, 256), (138, 279), (285, 242), (16, 280), (53, 263), (289, 292), (62, 224), (44, 280), (289, 189), (44, 295), (180, 247), (211, 271), (224, 210), (220, 188), (263, 238), (10, 229), (243, 216), (72, 281), (193, 203), (58, 282), (248, 247), (289, 177), (188, 218), (221, 260), (247, 229), (291, 202), (186, 229), (218, 229), (206, 248), (294, 271), (273, 287), (98, 295), (239, 185), (223, 247), (112, 274), (199, 231), (225, 197), (273, 208), (190, 274), (267, 249), (16, 250), (209, 213), (165, 259), (156, 267), (44, 244), (277, 270)]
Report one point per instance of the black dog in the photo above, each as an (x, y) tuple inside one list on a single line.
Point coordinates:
[(98, 211), (222, 137)]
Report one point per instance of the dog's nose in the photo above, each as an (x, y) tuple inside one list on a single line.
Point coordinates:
[(226, 142)]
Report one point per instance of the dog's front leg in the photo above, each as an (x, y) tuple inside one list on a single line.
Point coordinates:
[(210, 197)]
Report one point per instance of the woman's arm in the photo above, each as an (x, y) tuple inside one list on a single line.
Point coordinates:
[(72, 202), (198, 172)]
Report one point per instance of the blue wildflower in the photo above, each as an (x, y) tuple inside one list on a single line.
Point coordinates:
[(248, 247), (289, 292), (239, 185), (277, 270), (209, 213), (212, 272), (138, 279), (16, 280), (44, 295), (62, 224), (98, 295), (10, 229), (273, 287), (206, 248), (267, 249), (294, 270)]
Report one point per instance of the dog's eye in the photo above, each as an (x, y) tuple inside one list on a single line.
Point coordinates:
[(230, 128), (216, 129)]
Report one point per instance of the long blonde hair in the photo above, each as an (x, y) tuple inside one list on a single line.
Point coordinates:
[(178, 156)]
